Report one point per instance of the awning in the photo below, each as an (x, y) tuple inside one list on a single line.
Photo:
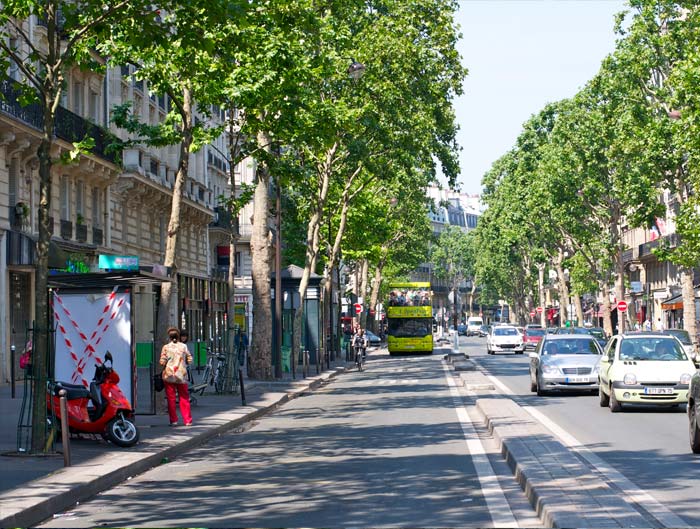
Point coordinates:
[(673, 303)]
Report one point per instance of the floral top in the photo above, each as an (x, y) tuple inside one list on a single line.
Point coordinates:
[(175, 357)]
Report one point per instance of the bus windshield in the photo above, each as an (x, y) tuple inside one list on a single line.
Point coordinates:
[(410, 327)]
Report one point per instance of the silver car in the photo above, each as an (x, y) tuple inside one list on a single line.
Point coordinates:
[(565, 362)]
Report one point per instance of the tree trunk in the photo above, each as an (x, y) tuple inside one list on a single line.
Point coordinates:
[(689, 321), (364, 277), (563, 292), (313, 231), (607, 319), (167, 308), (541, 294), (260, 247), (40, 340), (374, 296)]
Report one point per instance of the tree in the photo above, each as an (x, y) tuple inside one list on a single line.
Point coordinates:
[(178, 57), (71, 33)]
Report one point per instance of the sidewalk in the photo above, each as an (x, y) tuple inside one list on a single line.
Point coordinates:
[(34, 488)]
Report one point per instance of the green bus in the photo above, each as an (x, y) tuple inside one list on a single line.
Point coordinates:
[(409, 314)]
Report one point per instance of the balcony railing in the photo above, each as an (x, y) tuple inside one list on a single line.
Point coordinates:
[(67, 125)]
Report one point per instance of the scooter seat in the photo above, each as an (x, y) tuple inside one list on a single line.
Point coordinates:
[(74, 391)]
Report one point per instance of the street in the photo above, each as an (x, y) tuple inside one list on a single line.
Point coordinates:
[(648, 446), (379, 448), (389, 447)]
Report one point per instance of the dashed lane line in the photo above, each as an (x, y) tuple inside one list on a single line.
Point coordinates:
[(496, 502)]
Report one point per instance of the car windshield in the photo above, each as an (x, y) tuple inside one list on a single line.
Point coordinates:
[(661, 349), (570, 347), (535, 332), (505, 331), (681, 334)]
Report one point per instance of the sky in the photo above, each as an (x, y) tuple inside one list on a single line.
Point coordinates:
[(521, 55)]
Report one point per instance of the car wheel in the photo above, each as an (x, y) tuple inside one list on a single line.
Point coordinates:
[(604, 399), (613, 404), (693, 428), (538, 389)]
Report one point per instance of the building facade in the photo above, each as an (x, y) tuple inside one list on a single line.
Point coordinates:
[(119, 204)]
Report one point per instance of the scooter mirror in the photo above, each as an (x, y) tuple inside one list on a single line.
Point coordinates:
[(108, 356)]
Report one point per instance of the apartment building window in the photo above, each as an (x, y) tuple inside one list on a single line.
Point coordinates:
[(94, 108), (78, 97), (13, 184), (64, 197), (14, 69), (238, 264), (96, 207), (80, 198)]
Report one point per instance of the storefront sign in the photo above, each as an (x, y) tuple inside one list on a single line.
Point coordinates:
[(118, 262)]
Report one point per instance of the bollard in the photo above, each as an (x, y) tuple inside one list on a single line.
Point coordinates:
[(240, 379), (455, 345), (65, 434)]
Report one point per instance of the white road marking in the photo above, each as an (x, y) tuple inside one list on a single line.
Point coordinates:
[(496, 502), (633, 493)]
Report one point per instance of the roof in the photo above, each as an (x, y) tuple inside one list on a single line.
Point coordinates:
[(105, 279), (294, 272)]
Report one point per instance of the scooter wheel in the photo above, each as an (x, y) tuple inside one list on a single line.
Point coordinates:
[(122, 432)]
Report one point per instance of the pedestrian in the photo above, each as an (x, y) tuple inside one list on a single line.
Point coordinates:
[(637, 327), (175, 356), (659, 325), (647, 324)]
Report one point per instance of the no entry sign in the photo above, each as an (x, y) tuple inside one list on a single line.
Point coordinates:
[(622, 306), (358, 308), (540, 310)]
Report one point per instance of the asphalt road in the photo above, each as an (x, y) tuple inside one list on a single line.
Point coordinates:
[(649, 446), (384, 447)]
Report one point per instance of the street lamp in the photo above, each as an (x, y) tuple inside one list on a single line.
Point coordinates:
[(356, 70)]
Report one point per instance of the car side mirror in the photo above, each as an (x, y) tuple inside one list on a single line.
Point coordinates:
[(605, 359), (533, 355)]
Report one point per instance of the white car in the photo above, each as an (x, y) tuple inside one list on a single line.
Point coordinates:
[(644, 368), (504, 339)]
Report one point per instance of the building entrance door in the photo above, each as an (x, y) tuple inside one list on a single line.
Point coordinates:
[(20, 314)]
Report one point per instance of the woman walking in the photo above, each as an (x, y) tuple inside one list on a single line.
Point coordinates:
[(175, 357)]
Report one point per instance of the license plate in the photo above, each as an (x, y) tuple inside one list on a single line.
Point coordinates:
[(579, 380), (658, 391)]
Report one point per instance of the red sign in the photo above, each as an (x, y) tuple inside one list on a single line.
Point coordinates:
[(540, 310), (358, 308), (622, 306), (532, 314)]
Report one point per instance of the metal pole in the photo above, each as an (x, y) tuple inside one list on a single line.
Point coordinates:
[(240, 379), (278, 287), (65, 434), (12, 369)]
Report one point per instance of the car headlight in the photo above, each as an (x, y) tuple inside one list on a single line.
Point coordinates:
[(685, 378), (550, 370), (630, 379)]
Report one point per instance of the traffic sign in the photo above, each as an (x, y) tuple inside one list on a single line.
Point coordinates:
[(532, 313), (358, 308), (540, 310), (622, 306)]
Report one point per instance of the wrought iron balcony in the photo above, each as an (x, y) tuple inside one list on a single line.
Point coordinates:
[(67, 125)]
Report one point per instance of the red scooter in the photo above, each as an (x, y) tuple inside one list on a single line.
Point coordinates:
[(111, 415)]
